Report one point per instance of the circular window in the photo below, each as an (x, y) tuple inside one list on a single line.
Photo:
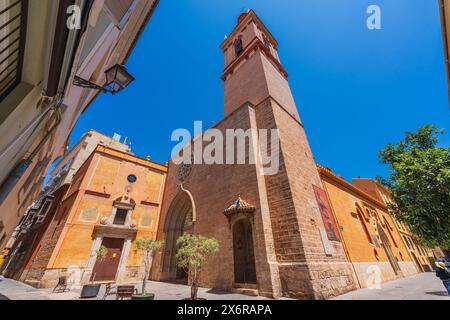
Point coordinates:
[(132, 178)]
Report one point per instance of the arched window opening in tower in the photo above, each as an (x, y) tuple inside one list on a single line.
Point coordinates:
[(238, 49)]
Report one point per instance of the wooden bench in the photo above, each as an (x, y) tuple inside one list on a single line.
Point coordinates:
[(125, 292)]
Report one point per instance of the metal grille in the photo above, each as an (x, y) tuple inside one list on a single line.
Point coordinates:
[(13, 25)]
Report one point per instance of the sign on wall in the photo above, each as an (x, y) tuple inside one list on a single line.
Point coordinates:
[(327, 216)]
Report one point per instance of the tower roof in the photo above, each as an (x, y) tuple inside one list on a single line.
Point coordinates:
[(243, 19), (239, 205), (242, 16)]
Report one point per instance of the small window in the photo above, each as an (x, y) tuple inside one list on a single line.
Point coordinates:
[(266, 42), (238, 48), (132, 178), (407, 242), (363, 225), (12, 41), (120, 217)]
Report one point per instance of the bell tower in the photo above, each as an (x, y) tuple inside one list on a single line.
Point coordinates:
[(274, 240), (303, 260), (253, 70)]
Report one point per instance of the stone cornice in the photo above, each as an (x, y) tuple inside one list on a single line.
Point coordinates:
[(114, 231), (325, 172), (254, 45), (131, 158)]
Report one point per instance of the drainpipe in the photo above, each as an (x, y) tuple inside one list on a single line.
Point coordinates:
[(194, 211)]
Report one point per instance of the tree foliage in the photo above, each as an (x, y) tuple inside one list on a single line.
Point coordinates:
[(148, 247), (193, 252), (102, 252), (420, 184)]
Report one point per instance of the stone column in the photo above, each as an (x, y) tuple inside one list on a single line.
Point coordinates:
[(121, 273), (92, 258)]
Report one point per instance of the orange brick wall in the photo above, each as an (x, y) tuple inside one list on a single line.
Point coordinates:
[(107, 175), (343, 202), (99, 182)]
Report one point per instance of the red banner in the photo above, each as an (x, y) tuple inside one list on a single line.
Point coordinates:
[(327, 215)]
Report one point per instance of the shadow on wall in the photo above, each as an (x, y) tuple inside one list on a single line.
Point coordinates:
[(438, 293)]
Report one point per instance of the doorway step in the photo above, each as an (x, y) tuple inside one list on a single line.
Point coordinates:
[(247, 289)]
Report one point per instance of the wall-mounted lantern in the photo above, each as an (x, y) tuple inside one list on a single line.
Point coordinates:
[(117, 79)]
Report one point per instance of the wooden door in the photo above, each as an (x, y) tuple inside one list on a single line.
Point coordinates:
[(106, 269), (244, 259)]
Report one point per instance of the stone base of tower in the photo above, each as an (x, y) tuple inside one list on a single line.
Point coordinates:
[(316, 280)]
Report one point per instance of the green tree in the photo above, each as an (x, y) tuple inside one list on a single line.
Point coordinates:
[(420, 184), (193, 252), (148, 247)]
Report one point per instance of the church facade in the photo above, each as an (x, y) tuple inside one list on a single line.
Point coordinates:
[(300, 231), (273, 239)]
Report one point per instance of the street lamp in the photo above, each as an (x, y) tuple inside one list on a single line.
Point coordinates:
[(117, 79)]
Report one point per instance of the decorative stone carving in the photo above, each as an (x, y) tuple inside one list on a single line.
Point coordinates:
[(183, 172), (104, 221), (125, 203)]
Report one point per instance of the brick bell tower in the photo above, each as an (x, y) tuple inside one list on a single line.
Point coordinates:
[(303, 262)]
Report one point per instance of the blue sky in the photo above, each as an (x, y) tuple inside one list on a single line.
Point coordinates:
[(356, 89)]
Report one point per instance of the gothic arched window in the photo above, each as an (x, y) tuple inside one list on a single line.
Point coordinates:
[(266, 42), (363, 224), (238, 48)]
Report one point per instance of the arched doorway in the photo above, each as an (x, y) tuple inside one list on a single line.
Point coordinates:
[(178, 221), (243, 252)]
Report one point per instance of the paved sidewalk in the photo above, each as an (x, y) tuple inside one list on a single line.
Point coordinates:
[(423, 286), (14, 290)]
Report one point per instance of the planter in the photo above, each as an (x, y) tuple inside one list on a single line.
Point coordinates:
[(90, 291), (147, 296)]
